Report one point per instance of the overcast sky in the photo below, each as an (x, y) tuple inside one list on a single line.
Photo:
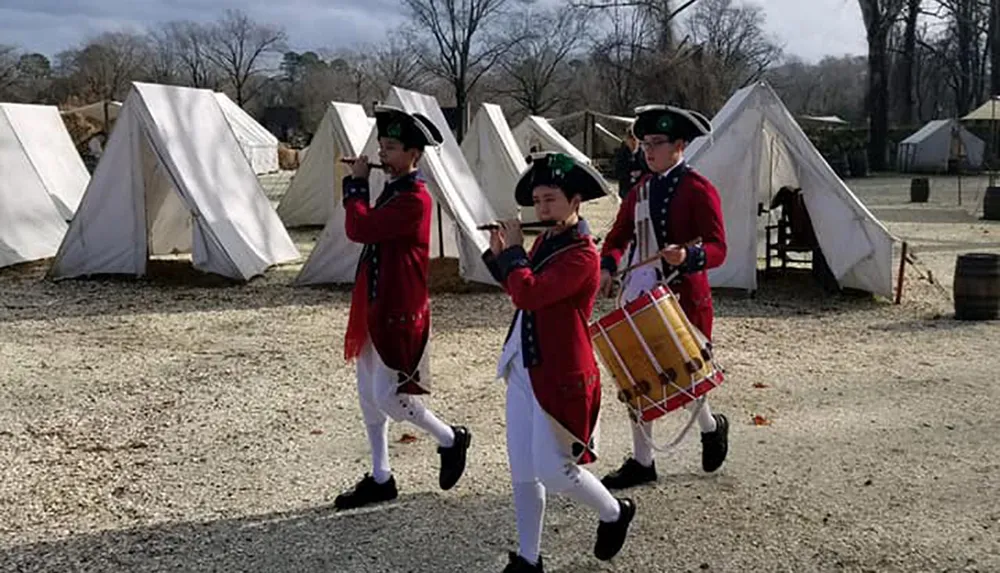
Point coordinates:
[(807, 28)]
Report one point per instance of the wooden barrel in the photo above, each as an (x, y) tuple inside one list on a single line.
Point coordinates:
[(977, 286), (991, 204), (920, 190)]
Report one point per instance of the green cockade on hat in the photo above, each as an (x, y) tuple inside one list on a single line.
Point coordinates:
[(560, 164), (664, 123), (394, 131)]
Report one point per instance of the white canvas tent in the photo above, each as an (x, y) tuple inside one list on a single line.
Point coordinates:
[(259, 145), (756, 148), (931, 148), (41, 181), (315, 189), (989, 111), (452, 186), (830, 120), (40, 133), (536, 131), (594, 133), (96, 110), (492, 153), (173, 180)]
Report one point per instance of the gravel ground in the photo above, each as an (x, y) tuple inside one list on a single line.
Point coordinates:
[(178, 424)]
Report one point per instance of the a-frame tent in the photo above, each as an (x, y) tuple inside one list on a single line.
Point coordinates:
[(452, 186), (933, 148), (41, 134), (41, 181), (594, 133), (259, 145), (757, 147), (315, 189), (493, 155), (537, 132), (173, 179)]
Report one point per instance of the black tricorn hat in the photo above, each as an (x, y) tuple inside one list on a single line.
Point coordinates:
[(674, 122), (558, 170), (413, 130)]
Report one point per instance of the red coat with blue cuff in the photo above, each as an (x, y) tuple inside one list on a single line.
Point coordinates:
[(390, 300), (554, 288), (683, 206)]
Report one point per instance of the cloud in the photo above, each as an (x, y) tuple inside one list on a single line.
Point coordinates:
[(809, 29), (50, 26)]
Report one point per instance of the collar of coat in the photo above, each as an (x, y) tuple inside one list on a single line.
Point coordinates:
[(400, 184), (555, 244)]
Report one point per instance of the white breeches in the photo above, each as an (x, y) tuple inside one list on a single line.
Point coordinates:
[(532, 448), (377, 384)]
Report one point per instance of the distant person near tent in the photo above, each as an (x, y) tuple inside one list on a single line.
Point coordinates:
[(630, 163)]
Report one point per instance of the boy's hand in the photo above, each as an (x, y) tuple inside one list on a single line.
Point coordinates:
[(497, 242), (512, 234), (360, 168)]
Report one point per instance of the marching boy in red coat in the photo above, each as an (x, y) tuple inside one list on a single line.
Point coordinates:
[(553, 382), (669, 207), (388, 330)]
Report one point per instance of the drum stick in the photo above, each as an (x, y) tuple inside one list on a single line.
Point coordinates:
[(652, 259), (353, 160)]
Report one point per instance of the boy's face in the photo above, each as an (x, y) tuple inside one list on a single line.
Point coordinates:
[(551, 203), (397, 159), (661, 152)]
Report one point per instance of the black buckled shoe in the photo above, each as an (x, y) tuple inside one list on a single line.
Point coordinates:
[(611, 536), (518, 564), (366, 492), (715, 445), (631, 474), (453, 458)]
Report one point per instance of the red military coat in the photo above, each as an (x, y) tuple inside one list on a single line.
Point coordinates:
[(390, 300), (554, 287), (684, 205)]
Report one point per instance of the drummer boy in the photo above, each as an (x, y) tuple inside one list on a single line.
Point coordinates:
[(668, 208)]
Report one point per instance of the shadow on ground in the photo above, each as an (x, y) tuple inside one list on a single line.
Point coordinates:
[(422, 532)]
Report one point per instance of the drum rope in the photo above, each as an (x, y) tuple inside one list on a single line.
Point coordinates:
[(680, 437)]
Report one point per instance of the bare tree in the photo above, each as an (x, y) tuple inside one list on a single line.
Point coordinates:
[(462, 43), (104, 68), (353, 72), (535, 68), (994, 42), (833, 86), (191, 41), (959, 52), (164, 61), (659, 13), (880, 17), (237, 45), (397, 62), (967, 28), (733, 36), (906, 71), (935, 87), (620, 54)]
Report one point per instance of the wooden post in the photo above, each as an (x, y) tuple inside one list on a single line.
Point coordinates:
[(440, 231), (899, 281)]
